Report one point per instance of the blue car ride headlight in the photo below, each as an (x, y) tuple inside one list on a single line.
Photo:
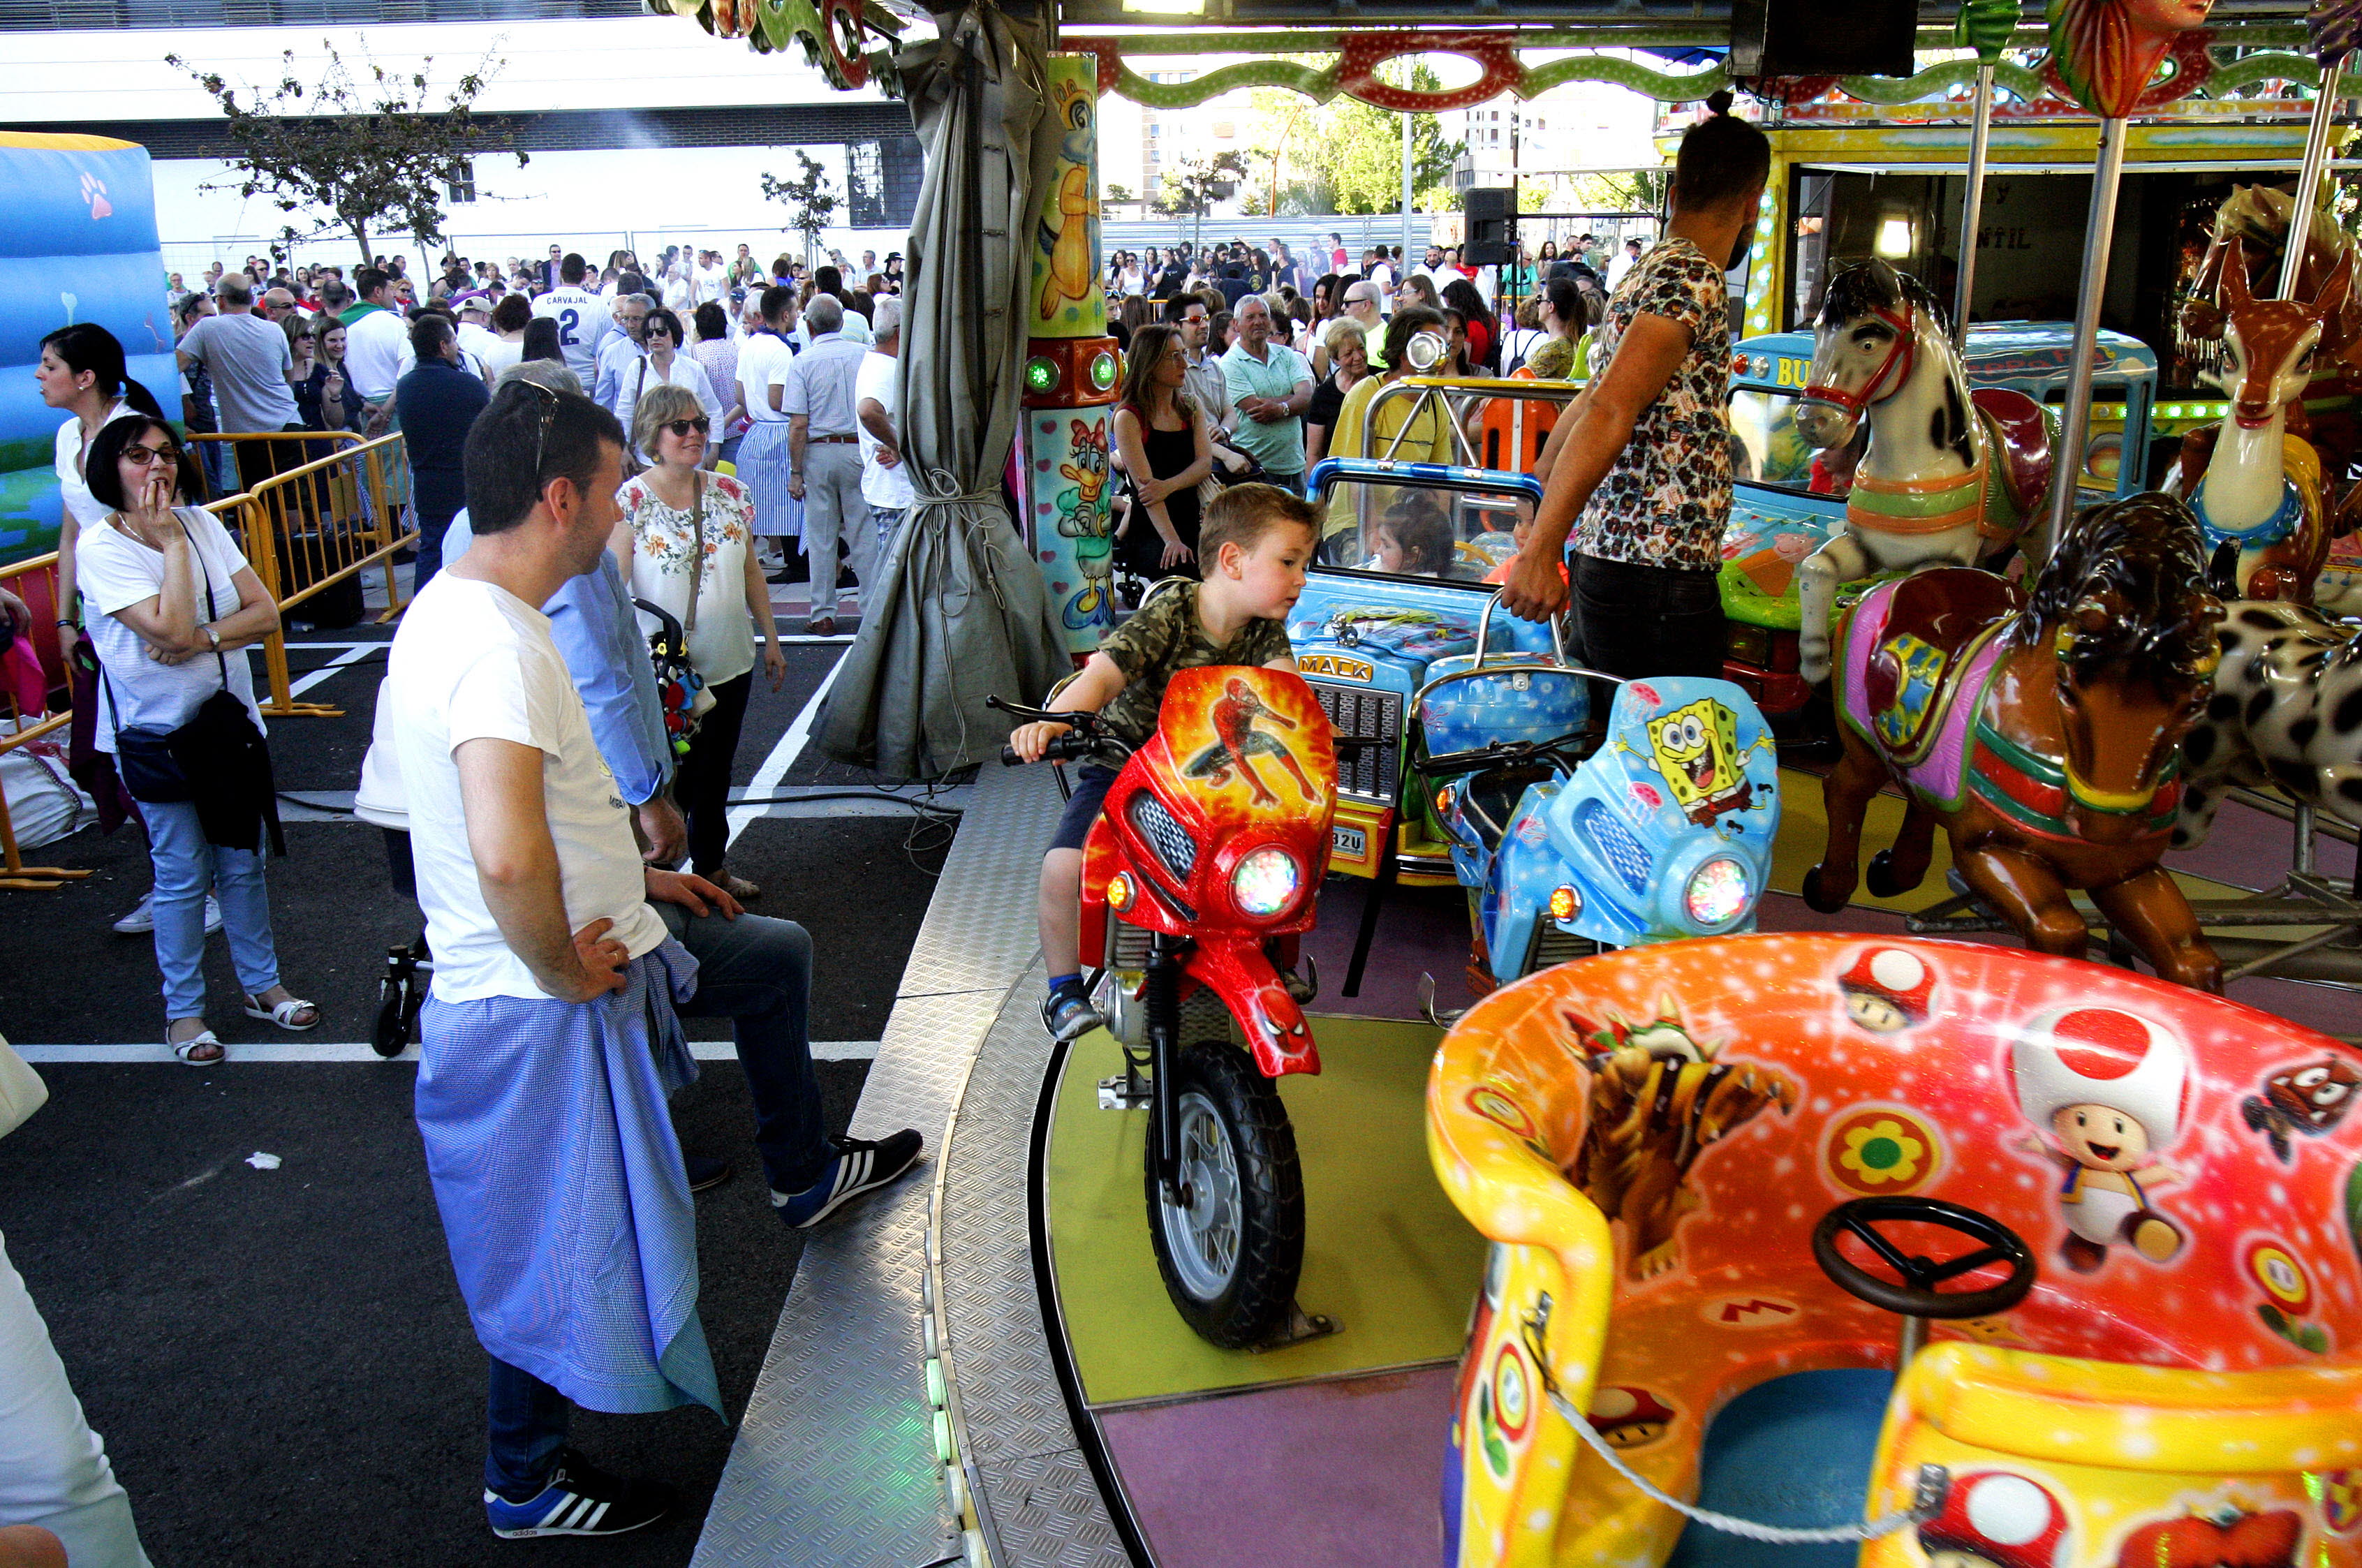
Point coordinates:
[(1265, 880), (1717, 893)]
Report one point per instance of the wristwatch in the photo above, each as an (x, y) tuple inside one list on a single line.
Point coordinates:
[(212, 636)]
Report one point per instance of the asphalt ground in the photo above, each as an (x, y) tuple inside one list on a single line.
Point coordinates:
[(279, 1360)]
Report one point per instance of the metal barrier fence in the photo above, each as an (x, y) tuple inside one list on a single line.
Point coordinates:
[(326, 512), (36, 582)]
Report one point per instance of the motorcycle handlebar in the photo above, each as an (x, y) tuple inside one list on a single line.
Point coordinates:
[(1071, 746), (1498, 755)]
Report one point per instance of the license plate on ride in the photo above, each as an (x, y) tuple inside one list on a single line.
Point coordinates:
[(1351, 842)]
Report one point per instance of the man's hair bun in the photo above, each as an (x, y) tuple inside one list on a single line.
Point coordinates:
[(1719, 102)]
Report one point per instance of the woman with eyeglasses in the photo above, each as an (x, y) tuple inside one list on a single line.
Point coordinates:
[(1423, 438), (168, 593), (665, 364), (1345, 344), (1167, 450), (685, 542)]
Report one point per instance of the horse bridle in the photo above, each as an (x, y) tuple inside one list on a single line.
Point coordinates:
[(1905, 348)]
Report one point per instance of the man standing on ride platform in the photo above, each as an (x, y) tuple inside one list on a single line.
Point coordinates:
[(1271, 386), (1640, 472)]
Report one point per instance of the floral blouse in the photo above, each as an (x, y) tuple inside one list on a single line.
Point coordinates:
[(1666, 500), (664, 562)]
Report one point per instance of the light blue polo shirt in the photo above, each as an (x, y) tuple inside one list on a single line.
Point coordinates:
[(1279, 446)]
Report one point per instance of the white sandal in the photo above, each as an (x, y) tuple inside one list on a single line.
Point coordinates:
[(186, 1049), (284, 1014)]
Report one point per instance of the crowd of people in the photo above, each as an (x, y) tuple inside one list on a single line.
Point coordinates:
[(564, 431)]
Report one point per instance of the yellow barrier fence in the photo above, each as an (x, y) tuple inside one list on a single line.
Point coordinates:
[(36, 582), (335, 506)]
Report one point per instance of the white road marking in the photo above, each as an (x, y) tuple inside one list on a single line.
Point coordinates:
[(354, 653), (783, 755), (283, 1051)]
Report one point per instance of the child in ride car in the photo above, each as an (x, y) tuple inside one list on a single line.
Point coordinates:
[(1253, 548)]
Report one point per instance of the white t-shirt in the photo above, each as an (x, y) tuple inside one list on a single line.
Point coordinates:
[(889, 488), (582, 320), (763, 362), (634, 377), (475, 662), (116, 571), (374, 345), (71, 488), (501, 353)]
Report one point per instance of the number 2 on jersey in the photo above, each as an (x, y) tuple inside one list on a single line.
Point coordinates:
[(567, 320)]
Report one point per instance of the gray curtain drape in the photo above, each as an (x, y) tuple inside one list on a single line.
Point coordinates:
[(960, 610)]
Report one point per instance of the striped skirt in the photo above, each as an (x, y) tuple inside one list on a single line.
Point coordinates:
[(764, 470)]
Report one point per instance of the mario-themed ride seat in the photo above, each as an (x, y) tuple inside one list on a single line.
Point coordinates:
[(1655, 1140)]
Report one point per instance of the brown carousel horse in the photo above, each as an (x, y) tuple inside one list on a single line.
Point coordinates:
[(2043, 731)]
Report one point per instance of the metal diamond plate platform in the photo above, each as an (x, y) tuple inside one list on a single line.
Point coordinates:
[(835, 1464)]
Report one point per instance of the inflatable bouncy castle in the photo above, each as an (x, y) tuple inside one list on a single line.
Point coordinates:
[(77, 243)]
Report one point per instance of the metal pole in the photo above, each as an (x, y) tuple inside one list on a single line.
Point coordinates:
[(1405, 192), (2099, 230), (1972, 205), (2308, 179)]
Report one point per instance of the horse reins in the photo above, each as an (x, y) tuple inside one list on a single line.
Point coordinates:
[(1905, 347)]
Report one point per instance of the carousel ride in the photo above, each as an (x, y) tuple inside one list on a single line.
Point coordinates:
[(1810, 1246)]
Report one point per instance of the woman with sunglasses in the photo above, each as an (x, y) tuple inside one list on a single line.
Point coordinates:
[(662, 363), (685, 543), (168, 590)]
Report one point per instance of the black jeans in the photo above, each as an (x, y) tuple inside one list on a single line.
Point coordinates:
[(1640, 621), (702, 786)]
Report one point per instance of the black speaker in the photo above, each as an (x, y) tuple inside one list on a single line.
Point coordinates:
[(1491, 219), (1837, 38)]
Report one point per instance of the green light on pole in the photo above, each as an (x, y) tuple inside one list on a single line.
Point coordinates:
[(1041, 374), (1103, 371)]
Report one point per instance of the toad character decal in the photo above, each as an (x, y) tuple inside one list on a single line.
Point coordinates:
[(1695, 746), (1659, 1100), (2311, 1098), (2109, 1088), (1233, 716)]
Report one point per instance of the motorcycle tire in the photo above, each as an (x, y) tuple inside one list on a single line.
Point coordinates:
[(1231, 1258)]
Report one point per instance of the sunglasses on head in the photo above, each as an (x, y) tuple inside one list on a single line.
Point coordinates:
[(682, 427)]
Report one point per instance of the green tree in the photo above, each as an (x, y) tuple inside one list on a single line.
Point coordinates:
[(809, 200), (1346, 156), (372, 150), (1201, 182)]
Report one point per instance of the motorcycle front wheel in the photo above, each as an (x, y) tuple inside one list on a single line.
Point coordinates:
[(1232, 1254)]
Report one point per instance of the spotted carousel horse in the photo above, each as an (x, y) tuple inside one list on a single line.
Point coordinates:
[(1948, 475), (2287, 710), (2043, 731), (2255, 483)]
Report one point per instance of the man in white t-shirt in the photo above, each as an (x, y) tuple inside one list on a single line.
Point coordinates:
[(885, 480), (712, 279), (551, 1037), (376, 332), (581, 319)]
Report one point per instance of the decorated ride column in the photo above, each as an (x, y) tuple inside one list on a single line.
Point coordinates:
[(1070, 373)]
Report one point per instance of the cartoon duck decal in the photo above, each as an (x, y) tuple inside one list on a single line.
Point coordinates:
[(2311, 1098), (1695, 746), (1660, 1097), (2109, 1088)]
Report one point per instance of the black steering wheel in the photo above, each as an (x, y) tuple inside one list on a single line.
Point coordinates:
[(1918, 1297)]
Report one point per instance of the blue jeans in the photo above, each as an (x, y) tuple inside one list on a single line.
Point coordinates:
[(527, 1422), (756, 972), (185, 864)]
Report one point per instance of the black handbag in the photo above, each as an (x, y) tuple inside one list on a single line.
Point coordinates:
[(145, 755)]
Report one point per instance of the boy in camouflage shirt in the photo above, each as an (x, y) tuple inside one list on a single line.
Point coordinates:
[(1253, 547)]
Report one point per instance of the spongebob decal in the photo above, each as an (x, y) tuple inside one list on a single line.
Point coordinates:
[(1651, 1136), (1695, 746)]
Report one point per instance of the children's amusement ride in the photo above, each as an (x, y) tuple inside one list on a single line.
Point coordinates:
[(1815, 1245)]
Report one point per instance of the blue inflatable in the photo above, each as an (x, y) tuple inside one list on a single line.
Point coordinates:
[(77, 243)]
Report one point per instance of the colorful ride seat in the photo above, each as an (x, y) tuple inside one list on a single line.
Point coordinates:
[(1650, 1138)]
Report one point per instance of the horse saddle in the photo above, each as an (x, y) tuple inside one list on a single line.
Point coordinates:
[(2023, 449), (1934, 619)]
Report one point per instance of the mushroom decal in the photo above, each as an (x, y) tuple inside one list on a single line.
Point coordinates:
[(1993, 1519), (1888, 990)]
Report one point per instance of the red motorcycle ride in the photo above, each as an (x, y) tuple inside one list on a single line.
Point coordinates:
[(1202, 871)]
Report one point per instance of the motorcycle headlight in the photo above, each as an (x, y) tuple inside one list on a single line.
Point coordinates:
[(1718, 892), (1265, 881)]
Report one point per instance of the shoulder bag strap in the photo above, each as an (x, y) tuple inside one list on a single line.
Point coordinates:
[(212, 611), (697, 572)]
